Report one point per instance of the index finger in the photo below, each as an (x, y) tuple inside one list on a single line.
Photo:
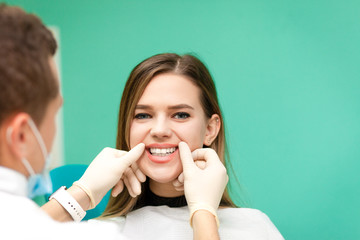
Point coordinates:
[(185, 156), (134, 154)]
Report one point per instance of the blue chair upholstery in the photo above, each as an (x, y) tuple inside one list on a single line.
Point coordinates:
[(66, 175)]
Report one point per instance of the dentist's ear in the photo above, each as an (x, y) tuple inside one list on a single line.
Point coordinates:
[(9, 131), (212, 129), (17, 135)]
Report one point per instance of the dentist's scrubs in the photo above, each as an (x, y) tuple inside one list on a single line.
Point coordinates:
[(21, 218)]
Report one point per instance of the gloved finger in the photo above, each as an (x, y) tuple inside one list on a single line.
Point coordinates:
[(178, 185), (180, 189), (128, 186), (201, 164), (139, 174), (132, 156), (119, 153), (206, 154), (181, 178), (117, 189), (133, 182), (186, 157)]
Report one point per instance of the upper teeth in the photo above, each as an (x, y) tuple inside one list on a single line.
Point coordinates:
[(162, 151)]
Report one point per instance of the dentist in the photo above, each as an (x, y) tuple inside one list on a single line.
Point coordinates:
[(29, 101)]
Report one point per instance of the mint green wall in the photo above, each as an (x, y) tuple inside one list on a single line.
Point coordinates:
[(288, 78)]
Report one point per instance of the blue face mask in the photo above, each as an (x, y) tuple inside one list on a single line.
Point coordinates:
[(38, 183)]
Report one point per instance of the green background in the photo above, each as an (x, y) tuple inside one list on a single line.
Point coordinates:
[(288, 79)]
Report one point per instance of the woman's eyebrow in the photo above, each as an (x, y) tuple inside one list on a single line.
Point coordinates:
[(141, 106), (179, 106)]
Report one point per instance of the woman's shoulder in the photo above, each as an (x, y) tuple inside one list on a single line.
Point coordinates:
[(244, 219), (249, 212), (242, 215)]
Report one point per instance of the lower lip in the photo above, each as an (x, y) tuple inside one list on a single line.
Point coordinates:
[(159, 159)]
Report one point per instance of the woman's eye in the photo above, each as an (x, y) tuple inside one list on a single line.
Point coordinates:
[(181, 115), (142, 116)]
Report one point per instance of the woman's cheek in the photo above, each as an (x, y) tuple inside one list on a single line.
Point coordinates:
[(137, 134), (193, 138)]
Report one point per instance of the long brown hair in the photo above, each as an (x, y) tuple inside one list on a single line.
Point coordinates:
[(188, 66)]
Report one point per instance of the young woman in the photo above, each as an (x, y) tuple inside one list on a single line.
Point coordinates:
[(170, 99)]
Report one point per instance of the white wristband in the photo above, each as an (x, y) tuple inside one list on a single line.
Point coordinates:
[(69, 203)]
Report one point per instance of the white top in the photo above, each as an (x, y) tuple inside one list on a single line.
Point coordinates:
[(173, 223), (21, 218)]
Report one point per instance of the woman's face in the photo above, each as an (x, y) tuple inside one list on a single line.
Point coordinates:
[(168, 112)]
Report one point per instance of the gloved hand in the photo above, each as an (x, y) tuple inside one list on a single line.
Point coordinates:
[(132, 177), (106, 170), (203, 187), (179, 182)]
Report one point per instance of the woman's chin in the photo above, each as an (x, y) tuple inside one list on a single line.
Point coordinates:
[(163, 177), (164, 187)]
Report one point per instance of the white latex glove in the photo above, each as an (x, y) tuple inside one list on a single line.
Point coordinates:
[(106, 170), (132, 177), (203, 187), (179, 182)]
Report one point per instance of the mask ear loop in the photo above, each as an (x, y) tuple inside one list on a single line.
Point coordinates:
[(38, 137), (28, 166), (23, 160)]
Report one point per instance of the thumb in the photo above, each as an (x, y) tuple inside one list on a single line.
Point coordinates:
[(186, 157), (133, 155)]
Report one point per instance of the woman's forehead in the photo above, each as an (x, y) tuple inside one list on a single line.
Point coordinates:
[(171, 88)]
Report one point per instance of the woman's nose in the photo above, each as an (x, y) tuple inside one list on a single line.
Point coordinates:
[(160, 129)]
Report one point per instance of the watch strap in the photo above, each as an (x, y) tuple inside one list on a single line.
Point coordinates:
[(69, 203)]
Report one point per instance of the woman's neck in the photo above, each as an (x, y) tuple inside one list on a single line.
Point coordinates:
[(164, 189)]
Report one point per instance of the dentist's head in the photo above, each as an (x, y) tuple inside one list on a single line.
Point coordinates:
[(29, 94)]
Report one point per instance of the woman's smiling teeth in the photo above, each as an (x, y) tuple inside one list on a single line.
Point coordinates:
[(162, 152)]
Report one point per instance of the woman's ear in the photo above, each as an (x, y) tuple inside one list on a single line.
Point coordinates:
[(212, 129)]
